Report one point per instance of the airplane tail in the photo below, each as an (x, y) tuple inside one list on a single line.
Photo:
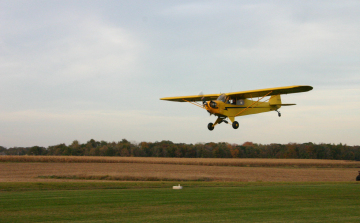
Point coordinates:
[(275, 101)]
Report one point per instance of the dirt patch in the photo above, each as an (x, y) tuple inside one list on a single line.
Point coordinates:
[(37, 172), (239, 162)]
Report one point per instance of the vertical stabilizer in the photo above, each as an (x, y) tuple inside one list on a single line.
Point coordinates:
[(275, 101)]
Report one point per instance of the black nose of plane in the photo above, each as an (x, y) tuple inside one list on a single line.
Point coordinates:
[(212, 104)]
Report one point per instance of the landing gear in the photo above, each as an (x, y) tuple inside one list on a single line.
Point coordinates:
[(235, 125), (279, 114), (211, 126), (220, 120)]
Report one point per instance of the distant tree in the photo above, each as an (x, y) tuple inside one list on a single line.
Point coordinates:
[(290, 151), (77, 149), (167, 148), (235, 152), (125, 152), (145, 147), (101, 151), (37, 150), (2, 150), (109, 150), (103, 143), (137, 151), (199, 149), (271, 151), (93, 143), (190, 151), (57, 150), (248, 144), (357, 153)]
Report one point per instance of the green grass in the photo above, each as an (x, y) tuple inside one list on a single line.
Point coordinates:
[(88, 185), (197, 202)]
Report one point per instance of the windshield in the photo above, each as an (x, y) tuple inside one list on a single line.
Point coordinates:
[(222, 98)]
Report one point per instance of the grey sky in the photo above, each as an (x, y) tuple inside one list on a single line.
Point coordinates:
[(96, 69)]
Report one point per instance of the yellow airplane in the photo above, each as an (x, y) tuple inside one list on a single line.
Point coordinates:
[(240, 103)]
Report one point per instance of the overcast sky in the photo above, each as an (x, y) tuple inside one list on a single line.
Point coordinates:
[(77, 70)]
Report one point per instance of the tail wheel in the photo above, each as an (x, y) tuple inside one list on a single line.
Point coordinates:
[(235, 125), (211, 126), (279, 114)]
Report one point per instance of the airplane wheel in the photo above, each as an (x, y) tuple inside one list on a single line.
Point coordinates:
[(279, 114), (235, 125), (211, 126)]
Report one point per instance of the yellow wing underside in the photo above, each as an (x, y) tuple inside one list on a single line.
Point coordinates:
[(244, 94)]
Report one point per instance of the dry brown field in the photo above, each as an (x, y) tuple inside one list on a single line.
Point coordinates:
[(67, 168), (245, 162)]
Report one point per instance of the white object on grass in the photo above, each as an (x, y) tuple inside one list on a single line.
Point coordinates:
[(177, 187)]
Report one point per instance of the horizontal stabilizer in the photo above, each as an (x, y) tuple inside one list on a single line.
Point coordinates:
[(283, 104)]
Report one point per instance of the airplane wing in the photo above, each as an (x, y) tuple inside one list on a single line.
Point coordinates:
[(244, 94), (274, 91), (207, 97)]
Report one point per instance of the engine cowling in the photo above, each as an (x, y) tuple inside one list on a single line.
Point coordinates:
[(212, 104)]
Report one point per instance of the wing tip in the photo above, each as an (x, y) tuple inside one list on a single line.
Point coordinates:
[(308, 87)]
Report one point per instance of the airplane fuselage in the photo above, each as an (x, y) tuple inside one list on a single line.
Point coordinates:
[(239, 108)]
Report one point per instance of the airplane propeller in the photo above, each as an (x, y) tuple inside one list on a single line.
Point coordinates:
[(212, 104), (203, 98)]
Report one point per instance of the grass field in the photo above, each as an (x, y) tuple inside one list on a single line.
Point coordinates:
[(129, 189), (197, 202)]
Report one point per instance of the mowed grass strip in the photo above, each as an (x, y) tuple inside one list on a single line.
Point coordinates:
[(241, 162), (267, 203), (123, 178), (99, 185), (41, 186)]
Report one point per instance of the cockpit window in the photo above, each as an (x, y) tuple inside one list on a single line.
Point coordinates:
[(222, 98)]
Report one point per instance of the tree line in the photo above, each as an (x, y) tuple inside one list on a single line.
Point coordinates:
[(199, 150)]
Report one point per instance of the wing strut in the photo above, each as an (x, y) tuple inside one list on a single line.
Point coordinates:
[(194, 103), (253, 104)]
